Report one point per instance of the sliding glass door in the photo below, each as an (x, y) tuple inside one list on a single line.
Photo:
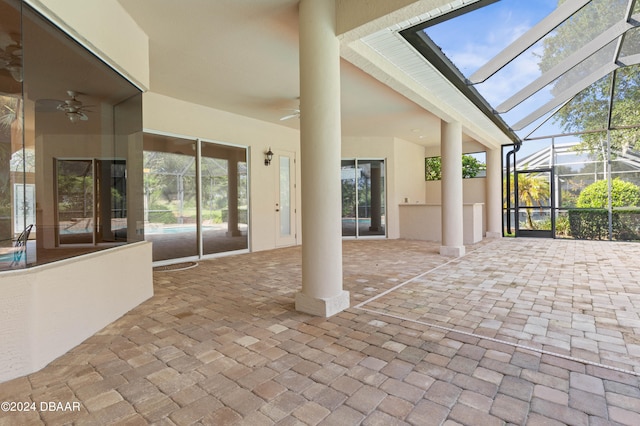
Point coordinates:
[(363, 198), (224, 199), (195, 197), (91, 203)]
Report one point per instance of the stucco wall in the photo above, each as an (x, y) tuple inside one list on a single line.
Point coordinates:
[(173, 116), (410, 183), (473, 191), (47, 310), (404, 166)]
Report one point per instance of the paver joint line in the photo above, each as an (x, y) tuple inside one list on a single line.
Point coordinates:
[(531, 327), (546, 335)]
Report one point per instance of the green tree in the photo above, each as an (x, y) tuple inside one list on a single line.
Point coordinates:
[(623, 194), (589, 109), (533, 190), (471, 167)]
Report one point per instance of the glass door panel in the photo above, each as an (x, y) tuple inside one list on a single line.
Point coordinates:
[(349, 198), (75, 201), (371, 205), (170, 196), (285, 196), (285, 206), (224, 198), (111, 196), (363, 198)]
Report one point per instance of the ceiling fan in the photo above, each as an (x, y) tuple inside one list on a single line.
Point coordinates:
[(11, 58), (73, 108), (295, 113)]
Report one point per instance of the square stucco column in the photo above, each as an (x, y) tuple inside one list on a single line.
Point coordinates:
[(322, 291), (452, 203)]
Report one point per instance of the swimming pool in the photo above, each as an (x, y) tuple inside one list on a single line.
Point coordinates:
[(179, 229)]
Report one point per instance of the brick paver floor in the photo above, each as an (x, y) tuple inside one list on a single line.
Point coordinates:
[(518, 331)]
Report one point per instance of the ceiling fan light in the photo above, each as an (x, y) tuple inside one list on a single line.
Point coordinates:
[(74, 117), (16, 72), (73, 103)]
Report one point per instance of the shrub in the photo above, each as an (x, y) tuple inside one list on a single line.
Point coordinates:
[(593, 224), (160, 214), (563, 227), (623, 194), (589, 224)]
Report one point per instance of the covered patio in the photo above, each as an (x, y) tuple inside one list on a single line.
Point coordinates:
[(520, 331)]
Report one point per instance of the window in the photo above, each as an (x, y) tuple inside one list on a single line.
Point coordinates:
[(75, 175), (473, 165)]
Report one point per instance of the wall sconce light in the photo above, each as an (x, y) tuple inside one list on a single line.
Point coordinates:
[(268, 156)]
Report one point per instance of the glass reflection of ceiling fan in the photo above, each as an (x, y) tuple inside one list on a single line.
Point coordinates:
[(11, 58), (73, 108)]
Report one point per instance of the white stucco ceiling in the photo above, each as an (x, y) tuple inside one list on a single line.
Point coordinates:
[(242, 57)]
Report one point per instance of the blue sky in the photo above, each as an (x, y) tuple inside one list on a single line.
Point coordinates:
[(473, 39)]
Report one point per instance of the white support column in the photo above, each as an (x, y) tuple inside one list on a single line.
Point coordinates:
[(452, 213), (322, 292), (494, 193)]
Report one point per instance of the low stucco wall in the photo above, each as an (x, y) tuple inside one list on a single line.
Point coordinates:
[(47, 310), (424, 222)]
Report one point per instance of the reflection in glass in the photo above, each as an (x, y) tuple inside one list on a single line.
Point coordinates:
[(91, 201), (363, 198), (349, 197), (170, 197), (75, 201), (71, 179), (13, 201), (371, 206), (224, 198), (285, 196), (171, 200)]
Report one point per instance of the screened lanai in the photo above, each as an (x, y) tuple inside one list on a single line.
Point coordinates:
[(559, 77)]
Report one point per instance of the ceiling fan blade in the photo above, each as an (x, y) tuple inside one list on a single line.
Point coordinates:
[(295, 114), (287, 117), (48, 105)]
